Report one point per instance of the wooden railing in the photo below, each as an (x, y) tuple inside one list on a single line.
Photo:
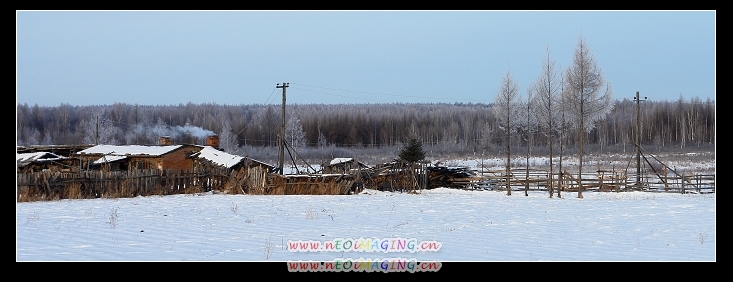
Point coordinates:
[(607, 181)]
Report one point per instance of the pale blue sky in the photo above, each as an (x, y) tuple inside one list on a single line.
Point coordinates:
[(352, 57)]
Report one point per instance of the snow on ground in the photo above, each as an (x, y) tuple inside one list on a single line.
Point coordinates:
[(467, 225)]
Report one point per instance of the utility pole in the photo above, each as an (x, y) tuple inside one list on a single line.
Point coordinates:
[(638, 140), (281, 161)]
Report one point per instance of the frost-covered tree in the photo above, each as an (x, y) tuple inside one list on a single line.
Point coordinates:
[(485, 135), (506, 109), (227, 139), (547, 89), (588, 97), (294, 134), (29, 136), (47, 140), (322, 142), (100, 130), (90, 131), (159, 129)]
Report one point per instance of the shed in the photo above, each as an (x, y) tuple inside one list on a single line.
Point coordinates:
[(343, 165), (210, 156), (245, 173), (40, 161), (61, 150)]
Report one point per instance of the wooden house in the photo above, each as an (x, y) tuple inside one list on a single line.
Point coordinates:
[(130, 157)]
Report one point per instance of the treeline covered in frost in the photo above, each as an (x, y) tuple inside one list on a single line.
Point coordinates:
[(446, 128)]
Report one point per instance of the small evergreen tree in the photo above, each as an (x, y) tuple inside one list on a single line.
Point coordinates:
[(412, 152)]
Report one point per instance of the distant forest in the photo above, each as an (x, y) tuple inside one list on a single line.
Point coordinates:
[(444, 128)]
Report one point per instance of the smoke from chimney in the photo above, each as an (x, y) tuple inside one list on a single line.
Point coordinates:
[(193, 130), (179, 134)]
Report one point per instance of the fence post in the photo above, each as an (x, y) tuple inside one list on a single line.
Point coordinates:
[(600, 182), (683, 184), (666, 186)]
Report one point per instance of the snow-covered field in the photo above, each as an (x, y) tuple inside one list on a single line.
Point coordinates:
[(466, 225)]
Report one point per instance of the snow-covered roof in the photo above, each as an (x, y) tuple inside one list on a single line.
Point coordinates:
[(345, 160), (218, 157), (129, 150), (341, 160), (37, 156)]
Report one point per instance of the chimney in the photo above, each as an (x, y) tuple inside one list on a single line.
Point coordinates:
[(213, 141), (166, 141)]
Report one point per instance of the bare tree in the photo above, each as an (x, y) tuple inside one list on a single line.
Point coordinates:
[(561, 138), (528, 122), (588, 97), (507, 109), (563, 123), (547, 89)]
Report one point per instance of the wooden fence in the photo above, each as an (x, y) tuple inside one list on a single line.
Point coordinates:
[(120, 184), (116, 184), (602, 180)]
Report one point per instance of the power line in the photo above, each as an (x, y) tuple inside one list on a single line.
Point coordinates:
[(382, 94), (268, 98), (337, 95)]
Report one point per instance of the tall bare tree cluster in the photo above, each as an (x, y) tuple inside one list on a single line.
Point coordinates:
[(581, 100)]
